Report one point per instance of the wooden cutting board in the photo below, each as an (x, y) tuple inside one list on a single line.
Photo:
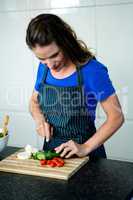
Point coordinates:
[(33, 167)]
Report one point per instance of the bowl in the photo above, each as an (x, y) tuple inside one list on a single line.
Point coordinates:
[(3, 142)]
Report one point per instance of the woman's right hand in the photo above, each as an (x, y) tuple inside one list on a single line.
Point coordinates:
[(45, 130)]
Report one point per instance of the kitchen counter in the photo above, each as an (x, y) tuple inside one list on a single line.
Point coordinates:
[(98, 180)]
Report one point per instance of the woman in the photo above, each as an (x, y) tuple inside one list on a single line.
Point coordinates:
[(70, 82)]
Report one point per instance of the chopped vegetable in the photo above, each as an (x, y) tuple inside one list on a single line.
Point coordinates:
[(48, 155), (23, 155), (40, 155), (59, 161), (51, 154), (43, 162), (1, 135), (51, 163), (54, 162), (30, 149), (34, 156)]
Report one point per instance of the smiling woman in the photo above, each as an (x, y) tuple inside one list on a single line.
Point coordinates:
[(70, 82), (48, 28)]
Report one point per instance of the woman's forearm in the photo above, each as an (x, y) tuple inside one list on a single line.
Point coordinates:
[(35, 110), (108, 128)]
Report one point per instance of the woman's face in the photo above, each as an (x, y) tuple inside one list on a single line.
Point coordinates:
[(51, 55)]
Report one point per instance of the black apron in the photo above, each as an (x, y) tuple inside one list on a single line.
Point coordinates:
[(66, 110)]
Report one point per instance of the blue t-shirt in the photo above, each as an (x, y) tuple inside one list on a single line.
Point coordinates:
[(97, 84)]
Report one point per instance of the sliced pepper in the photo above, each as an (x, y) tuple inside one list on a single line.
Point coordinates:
[(43, 162), (51, 163), (59, 162)]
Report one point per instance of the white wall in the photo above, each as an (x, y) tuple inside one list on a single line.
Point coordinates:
[(106, 26)]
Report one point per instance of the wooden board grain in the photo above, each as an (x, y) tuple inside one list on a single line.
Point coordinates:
[(32, 167)]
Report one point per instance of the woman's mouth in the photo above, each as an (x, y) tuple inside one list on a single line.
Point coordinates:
[(57, 67)]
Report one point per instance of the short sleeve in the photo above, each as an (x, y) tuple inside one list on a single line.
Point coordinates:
[(39, 77), (100, 82)]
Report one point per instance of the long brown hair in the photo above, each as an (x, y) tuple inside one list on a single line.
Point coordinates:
[(47, 28)]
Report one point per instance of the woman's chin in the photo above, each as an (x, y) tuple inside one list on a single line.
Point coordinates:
[(57, 68)]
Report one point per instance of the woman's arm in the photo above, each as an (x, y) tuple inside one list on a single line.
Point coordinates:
[(44, 129), (34, 108), (114, 121)]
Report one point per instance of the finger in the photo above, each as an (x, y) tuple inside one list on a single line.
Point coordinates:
[(71, 153), (61, 147), (65, 151)]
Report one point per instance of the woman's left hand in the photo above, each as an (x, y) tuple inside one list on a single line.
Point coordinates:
[(70, 148)]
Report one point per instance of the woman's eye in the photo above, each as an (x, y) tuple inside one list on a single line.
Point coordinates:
[(54, 55)]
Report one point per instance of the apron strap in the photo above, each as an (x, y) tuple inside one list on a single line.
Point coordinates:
[(79, 74), (80, 82), (44, 74)]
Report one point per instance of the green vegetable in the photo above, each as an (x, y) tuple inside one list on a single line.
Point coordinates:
[(1, 135), (34, 156), (40, 156), (45, 155), (51, 154), (54, 154)]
